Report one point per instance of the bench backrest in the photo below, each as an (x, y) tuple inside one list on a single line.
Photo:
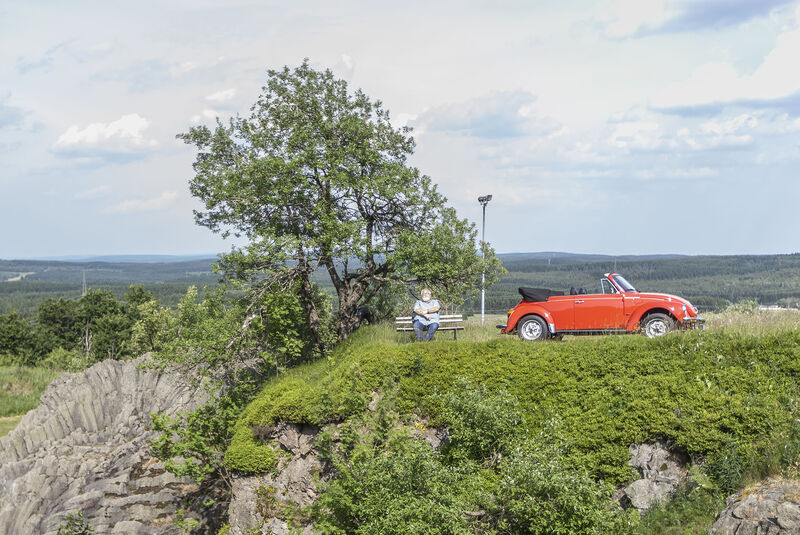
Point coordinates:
[(449, 318)]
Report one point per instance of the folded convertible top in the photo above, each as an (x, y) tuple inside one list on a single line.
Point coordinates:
[(537, 294)]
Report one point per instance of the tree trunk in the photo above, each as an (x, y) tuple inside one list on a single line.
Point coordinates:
[(347, 321), (307, 299)]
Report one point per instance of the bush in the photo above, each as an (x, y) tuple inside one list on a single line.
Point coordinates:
[(75, 524), (699, 390), (387, 480), (540, 492), (61, 359)]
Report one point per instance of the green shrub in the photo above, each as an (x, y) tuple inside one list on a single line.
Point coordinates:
[(699, 390), (726, 468), (386, 480), (540, 492), (75, 524), (70, 360)]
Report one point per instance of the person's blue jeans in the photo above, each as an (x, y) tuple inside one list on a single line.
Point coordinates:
[(427, 336)]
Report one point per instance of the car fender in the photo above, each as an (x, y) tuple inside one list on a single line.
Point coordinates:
[(526, 309), (672, 308)]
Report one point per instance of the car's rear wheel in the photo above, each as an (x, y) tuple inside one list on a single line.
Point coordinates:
[(532, 328), (657, 324)]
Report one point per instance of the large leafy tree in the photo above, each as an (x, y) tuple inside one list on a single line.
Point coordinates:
[(317, 177)]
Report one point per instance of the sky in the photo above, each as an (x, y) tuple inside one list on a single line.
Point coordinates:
[(609, 126)]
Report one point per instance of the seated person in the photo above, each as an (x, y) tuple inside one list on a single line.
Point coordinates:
[(426, 316)]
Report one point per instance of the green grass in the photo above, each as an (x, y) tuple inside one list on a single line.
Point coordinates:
[(7, 423), (21, 387)]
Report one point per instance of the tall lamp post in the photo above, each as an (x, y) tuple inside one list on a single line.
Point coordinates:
[(484, 200)]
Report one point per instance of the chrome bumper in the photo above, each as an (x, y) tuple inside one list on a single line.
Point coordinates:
[(502, 326)]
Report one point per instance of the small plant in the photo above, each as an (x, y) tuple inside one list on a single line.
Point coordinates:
[(186, 524), (75, 524), (726, 469)]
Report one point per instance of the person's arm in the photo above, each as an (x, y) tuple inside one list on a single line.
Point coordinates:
[(419, 311), (434, 308)]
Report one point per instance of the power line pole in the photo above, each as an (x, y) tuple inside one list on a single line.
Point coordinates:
[(484, 200), (83, 294)]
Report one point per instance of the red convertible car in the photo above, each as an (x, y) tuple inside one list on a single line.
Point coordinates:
[(619, 308)]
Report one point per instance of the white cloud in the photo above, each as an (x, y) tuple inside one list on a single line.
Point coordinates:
[(629, 17), (222, 96), (687, 173), (145, 205), (345, 67), (208, 113), (402, 119), (123, 135), (637, 134), (778, 76), (183, 68), (93, 193)]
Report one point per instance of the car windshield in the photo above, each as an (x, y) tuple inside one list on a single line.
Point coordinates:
[(622, 283)]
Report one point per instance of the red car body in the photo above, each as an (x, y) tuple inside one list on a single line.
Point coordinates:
[(618, 309)]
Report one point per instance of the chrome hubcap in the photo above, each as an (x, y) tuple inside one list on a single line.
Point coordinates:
[(656, 328), (531, 330)]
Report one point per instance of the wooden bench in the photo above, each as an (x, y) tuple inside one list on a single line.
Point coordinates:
[(449, 322)]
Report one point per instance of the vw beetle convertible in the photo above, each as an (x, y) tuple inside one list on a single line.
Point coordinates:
[(619, 308)]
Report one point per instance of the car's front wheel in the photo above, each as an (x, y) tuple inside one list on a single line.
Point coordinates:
[(532, 328), (657, 324)]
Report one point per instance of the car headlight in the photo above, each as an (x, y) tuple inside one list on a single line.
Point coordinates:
[(685, 312)]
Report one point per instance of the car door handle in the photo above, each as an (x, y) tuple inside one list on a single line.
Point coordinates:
[(576, 302)]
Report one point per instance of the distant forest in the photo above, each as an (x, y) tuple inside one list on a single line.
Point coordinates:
[(711, 282), (167, 281)]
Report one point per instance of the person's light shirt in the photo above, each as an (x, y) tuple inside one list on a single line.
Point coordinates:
[(425, 307)]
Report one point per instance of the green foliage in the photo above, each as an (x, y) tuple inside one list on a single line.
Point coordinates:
[(387, 480), (484, 424), (96, 324), (185, 523), (445, 259), (61, 359), (317, 176), (542, 492), (193, 443), (691, 511), (16, 339), (221, 344), (726, 468), (75, 524), (699, 390)]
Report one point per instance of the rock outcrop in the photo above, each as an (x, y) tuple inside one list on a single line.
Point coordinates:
[(266, 503), (272, 504), (85, 448), (770, 508), (662, 471)]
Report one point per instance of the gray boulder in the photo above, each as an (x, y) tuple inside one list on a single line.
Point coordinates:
[(770, 508), (85, 448), (662, 471)]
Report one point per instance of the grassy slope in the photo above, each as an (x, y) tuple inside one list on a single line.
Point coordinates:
[(7, 423), (21, 387), (702, 391)]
